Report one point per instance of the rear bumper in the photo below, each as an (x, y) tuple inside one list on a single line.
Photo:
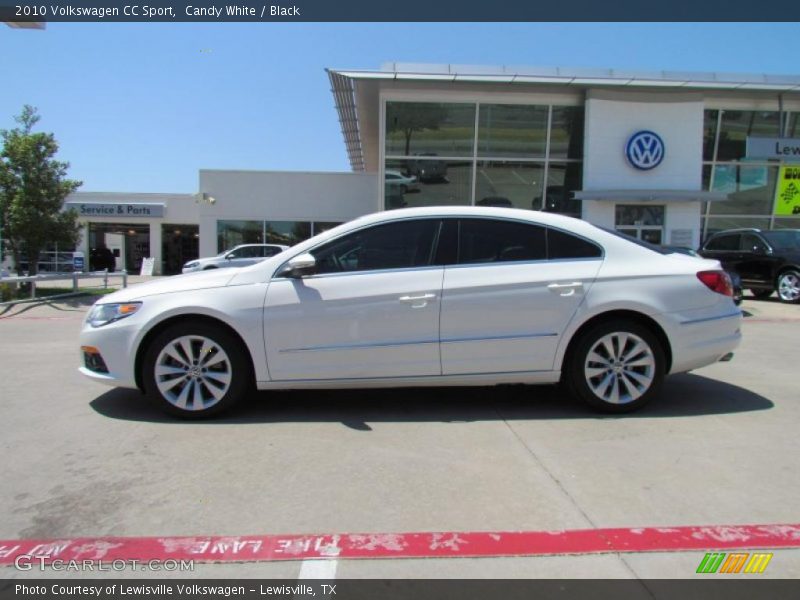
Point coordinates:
[(701, 341)]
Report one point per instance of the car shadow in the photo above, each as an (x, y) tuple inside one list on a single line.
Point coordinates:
[(72, 304), (684, 395)]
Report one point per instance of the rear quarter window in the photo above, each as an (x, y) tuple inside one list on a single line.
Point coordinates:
[(562, 245)]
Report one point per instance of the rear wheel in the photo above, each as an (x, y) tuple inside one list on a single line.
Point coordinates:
[(761, 294), (196, 370), (789, 286), (617, 366)]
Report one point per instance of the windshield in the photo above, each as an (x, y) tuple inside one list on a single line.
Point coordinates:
[(787, 239)]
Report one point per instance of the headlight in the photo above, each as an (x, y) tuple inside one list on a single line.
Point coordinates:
[(103, 314), (191, 265)]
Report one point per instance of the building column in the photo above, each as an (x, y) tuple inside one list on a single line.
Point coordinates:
[(82, 244), (155, 247), (208, 236)]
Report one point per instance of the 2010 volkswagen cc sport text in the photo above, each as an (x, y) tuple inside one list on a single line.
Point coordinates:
[(422, 297)]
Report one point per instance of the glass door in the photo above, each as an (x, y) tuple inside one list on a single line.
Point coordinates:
[(642, 221)]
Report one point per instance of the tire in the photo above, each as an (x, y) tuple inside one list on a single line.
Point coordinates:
[(596, 371), (788, 286), (761, 294), (186, 388)]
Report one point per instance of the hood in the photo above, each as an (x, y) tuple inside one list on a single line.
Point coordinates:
[(176, 283)]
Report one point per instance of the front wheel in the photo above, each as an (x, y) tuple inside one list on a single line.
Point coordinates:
[(616, 367), (789, 287), (196, 370)]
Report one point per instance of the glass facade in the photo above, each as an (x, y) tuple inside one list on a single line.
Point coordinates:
[(287, 233), (510, 130), (749, 182), (233, 233), (517, 155), (180, 243), (420, 128)]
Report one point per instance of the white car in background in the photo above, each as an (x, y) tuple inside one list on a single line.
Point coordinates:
[(422, 297), (399, 182), (241, 256)]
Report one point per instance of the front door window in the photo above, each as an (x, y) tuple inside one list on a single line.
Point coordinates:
[(642, 221)]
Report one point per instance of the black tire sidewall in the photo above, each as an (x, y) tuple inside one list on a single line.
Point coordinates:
[(240, 367), (576, 381)]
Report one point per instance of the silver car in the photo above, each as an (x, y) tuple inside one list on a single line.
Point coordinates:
[(241, 256)]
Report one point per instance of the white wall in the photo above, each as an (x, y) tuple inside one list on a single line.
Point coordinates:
[(282, 196), (611, 118)]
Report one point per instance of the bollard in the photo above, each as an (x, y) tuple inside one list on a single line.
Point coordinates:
[(33, 289), (74, 282), (105, 279), (124, 279)]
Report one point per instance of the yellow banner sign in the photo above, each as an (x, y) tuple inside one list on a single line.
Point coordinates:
[(787, 192)]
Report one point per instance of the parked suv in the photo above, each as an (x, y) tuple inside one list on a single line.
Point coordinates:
[(767, 261)]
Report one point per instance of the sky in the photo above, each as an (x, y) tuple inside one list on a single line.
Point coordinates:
[(142, 107)]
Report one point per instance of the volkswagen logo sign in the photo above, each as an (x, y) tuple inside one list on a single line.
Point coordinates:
[(645, 150)]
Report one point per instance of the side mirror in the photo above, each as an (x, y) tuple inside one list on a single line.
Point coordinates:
[(230, 256), (760, 250), (299, 266)]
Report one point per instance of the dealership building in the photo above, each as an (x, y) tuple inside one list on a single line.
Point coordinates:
[(667, 157)]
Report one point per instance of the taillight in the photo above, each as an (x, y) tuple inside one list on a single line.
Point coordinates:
[(717, 281)]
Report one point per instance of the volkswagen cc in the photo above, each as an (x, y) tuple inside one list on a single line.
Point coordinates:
[(438, 296)]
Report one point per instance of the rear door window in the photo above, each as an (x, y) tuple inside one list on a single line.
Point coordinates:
[(495, 240)]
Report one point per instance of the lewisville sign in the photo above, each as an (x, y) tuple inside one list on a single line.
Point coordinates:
[(133, 209), (783, 148)]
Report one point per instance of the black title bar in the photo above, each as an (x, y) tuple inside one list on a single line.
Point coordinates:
[(19, 11)]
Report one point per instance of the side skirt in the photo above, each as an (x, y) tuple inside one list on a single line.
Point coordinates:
[(531, 377)]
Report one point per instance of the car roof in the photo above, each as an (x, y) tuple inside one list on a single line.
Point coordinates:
[(534, 216), (738, 230)]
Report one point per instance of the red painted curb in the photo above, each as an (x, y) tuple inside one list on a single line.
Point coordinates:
[(404, 545)]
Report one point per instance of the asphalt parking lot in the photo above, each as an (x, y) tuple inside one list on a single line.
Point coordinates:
[(720, 447)]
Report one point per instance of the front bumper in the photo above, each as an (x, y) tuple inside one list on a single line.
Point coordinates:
[(116, 344)]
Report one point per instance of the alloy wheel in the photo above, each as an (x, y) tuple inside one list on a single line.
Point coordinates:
[(789, 287), (619, 367), (193, 372)]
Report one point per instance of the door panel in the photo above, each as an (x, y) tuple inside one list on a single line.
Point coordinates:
[(755, 264), (354, 325), (508, 317)]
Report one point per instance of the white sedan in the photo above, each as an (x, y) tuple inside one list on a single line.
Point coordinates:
[(422, 297), (243, 255), (402, 183)]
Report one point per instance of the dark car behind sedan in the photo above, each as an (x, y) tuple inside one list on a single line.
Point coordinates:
[(766, 261), (736, 281)]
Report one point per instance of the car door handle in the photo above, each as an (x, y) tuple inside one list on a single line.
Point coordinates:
[(417, 301), (565, 289)]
